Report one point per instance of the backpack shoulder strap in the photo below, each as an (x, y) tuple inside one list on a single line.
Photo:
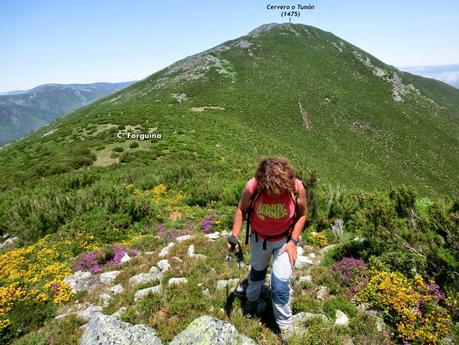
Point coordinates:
[(253, 199)]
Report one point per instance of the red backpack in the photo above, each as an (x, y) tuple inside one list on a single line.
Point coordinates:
[(253, 198)]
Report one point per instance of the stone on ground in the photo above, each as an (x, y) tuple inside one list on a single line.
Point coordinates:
[(163, 265), (302, 261), (108, 330), (322, 293), (87, 313), (165, 251), (108, 277), (142, 278), (117, 289), (184, 238), (144, 292), (341, 318), (177, 281), (81, 281), (207, 330)]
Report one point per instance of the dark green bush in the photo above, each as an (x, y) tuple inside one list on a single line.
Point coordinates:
[(404, 199), (118, 149)]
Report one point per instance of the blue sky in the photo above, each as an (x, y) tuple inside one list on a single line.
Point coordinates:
[(112, 40)]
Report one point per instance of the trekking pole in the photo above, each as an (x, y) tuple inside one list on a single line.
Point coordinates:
[(233, 241)]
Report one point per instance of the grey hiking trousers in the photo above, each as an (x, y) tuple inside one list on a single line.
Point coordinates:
[(281, 292)]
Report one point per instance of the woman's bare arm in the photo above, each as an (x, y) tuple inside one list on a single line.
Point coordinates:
[(241, 211), (302, 214)]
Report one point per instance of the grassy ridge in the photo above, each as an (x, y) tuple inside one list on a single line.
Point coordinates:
[(79, 181)]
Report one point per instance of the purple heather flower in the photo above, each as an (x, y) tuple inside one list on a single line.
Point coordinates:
[(352, 273), (88, 262), (118, 253), (170, 234), (93, 262), (435, 290), (206, 225)]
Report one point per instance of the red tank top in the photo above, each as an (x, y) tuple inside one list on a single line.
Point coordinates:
[(272, 215)]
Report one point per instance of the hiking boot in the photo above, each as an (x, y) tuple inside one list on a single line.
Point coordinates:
[(250, 308), (261, 306), (286, 334)]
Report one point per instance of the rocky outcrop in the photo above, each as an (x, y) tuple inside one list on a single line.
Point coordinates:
[(209, 330), (81, 281), (108, 330)]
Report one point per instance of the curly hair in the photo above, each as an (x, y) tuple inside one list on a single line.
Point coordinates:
[(275, 175)]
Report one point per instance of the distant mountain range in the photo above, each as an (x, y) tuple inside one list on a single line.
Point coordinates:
[(448, 74), (24, 111)]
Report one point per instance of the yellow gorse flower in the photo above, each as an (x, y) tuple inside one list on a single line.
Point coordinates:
[(27, 274), (401, 297)]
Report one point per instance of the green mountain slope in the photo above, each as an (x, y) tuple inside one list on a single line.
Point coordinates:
[(370, 124), (74, 188), (25, 111)]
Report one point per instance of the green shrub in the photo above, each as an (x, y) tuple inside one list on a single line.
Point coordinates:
[(404, 199), (118, 149), (341, 303)]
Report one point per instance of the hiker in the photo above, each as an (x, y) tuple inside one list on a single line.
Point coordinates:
[(271, 200)]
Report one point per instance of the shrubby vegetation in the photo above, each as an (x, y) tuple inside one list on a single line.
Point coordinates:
[(391, 256)]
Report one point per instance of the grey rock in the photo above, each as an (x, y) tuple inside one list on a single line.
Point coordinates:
[(263, 28), (302, 262), (305, 316), (144, 292), (184, 238), (207, 330), (179, 97), (117, 289), (305, 278), (108, 330), (231, 283), (177, 281), (242, 43), (109, 277), (81, 281), (165, 251), (396, 97), (10, 242), (125, 258), (143, 278), (213, 236), (154, 270), (105, 299), (341, 318), (322, 293), (299, 250), (163, 265), (190, 251), (87, 313)]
